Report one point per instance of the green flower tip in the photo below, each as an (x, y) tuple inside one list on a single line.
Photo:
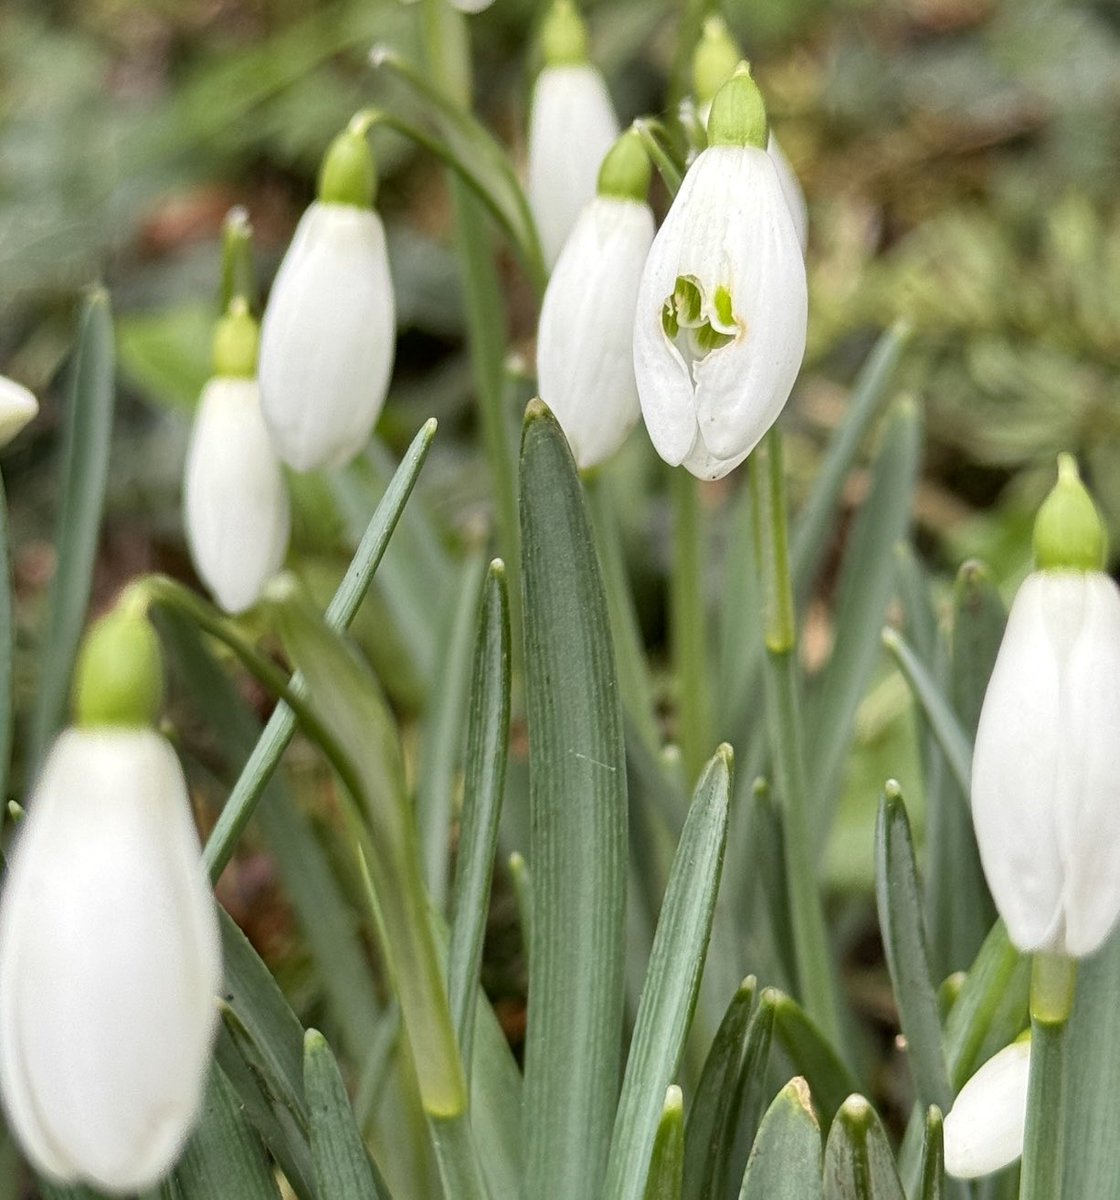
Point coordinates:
[(347, 175), (626, 172), (237, 339), (564, 36), (714, 60), (1069, 534), (738, 116), (118, 680)]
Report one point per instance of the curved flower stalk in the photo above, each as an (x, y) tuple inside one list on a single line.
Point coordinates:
[(714, 61), (18, 406), (984, 1129), (236, 510), (572, 126), (585, 359), (109, 954), (327, 338), (719, 333), (1046, 767)]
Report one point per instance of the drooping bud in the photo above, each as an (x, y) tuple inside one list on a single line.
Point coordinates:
[(1069, 534)]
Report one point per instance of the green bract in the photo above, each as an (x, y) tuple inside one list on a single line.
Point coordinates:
[(119, 675), (347, 175), (236, 343), (563, 36), (625, 173), (738, 116), (1068, 532)]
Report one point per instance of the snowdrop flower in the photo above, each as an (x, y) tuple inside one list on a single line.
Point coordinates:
[(572, 126), (236, 510), (984, 1129), (327, 338), (713, 63), (17, 407), (109, 954), (1046, 767), (585, 359), (720, 327)]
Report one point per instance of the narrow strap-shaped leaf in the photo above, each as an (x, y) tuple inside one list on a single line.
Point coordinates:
[(747, 1105), (7, 649), (955, 743), (672, 980), (858, 1164), (785, 1162), (708, 1114), (577, 793), (666, 1161), (899, 896), (483, 785), (829, 1079), (86, 440), (224, 1156), (932, 1177), (341, 611), (342, 1164)]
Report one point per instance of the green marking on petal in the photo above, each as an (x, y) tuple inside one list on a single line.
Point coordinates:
[(708, 325)]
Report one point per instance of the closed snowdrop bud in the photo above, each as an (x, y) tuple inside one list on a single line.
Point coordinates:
[(109, 953), (585, 360), (1046, 767), (236, 508), (17, 407), (719, 332), (327, 338), (984, 1129), (572, 126)]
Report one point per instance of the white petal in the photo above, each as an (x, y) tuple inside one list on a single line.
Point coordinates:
[(327, 338), (984, 1128), (17, 407), (109, 963), (571, 127), (585, 359), (236, 506), (471, 6), (1016, 770), (791, 190)]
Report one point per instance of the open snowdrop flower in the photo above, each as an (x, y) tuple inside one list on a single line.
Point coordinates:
[(1046, 767), (719, 332), (572, 126), (585, 359), (714, 61), (18, 406), (327, 338), (109, 952), (236, 508), (984, 1129)]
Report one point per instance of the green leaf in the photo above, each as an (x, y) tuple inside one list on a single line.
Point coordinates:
[(86, 439), (867, 583), (932, 1176), (858, 1164), (343, 607), (666, 1161), (578, 848), (342, 1165), (483, 786), (785, 1163), (829, 1079), (672, 980), (224, 1155), (748, 1101), (899, 896)]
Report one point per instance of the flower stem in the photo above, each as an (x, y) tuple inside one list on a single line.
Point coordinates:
[(811, 951), (689, 646)]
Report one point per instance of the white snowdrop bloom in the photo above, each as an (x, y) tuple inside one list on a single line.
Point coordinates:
[(236, 507), (984, 1129), (327, 338), (572, 126), (1046, 766), (109, 949), (585, 359), (18, 406), (791, 189), (719, 333)]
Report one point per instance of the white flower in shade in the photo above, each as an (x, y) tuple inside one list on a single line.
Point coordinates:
[(984, 1129), (236, 508), (585, 358), (109, 949), (1046, 767), (17, 407), (327, 338), (719, 333), (572, 126)]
